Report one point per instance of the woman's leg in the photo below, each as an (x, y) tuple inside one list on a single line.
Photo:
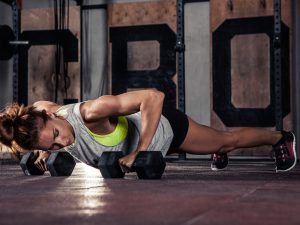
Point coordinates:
[(201, 139)]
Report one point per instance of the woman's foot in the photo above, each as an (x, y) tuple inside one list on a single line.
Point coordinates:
[(285, 152), (219, 161)]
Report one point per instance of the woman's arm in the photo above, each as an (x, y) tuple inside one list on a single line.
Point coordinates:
[(149, 102)]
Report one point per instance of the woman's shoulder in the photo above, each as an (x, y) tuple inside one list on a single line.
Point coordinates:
[(46, 105)]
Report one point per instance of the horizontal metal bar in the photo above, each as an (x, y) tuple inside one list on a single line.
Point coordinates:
[(195, 1), (90, 7), (19, 42)]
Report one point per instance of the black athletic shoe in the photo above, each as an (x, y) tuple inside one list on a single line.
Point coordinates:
[(219, 161), (285, 152)]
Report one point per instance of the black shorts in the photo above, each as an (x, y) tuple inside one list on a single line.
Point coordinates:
[(179, 123)]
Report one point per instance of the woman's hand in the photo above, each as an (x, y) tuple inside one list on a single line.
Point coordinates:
[(41, 161), (127, 161)]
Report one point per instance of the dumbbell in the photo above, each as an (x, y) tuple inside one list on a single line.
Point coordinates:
[(148, 165), (58, 164), (8, 42), (108, 164)]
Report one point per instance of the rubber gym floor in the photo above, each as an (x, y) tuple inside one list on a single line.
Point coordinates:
[(247, 192)]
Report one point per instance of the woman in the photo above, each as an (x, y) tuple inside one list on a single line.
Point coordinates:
[(129, 122)]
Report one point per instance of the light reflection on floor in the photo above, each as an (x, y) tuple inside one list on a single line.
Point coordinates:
[(93, 190)]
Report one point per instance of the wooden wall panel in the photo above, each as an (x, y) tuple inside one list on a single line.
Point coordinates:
[(221, 10), (250, 71), (250, 60), (41, 59), (130, 14), (141, 55)]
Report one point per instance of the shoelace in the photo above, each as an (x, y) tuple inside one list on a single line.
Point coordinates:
[(282, 152), (218, 156)]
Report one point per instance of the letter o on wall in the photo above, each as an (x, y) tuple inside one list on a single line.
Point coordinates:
[(230, 115)]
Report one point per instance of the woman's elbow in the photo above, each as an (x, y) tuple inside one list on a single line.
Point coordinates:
[(161, 96), (157, 96)]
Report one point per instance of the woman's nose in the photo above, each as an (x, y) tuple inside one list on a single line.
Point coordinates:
[(63, 142)]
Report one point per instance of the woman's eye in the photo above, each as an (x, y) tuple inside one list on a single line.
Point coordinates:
[(56, 133)]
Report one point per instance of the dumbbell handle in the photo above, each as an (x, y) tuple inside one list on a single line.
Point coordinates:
[(19, 42)]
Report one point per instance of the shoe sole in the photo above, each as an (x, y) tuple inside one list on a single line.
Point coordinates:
[(295, 154), (216, 169)]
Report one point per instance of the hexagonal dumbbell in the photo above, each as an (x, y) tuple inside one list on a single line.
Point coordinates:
[(27, 164), (109, 165), (58, 164), (149, 165)]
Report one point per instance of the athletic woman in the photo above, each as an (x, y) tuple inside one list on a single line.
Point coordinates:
[(129, 122)]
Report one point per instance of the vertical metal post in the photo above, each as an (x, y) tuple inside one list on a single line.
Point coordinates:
[(180, 48), (277, 64), (81, 49), (16, 29), (296, 69)]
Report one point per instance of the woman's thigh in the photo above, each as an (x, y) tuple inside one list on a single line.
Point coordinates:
[(201, 139)]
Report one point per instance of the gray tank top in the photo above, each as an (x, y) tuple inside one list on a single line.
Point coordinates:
[(87, 150)]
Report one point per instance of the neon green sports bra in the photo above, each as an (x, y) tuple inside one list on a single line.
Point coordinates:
[(112, 139), (115, 137)]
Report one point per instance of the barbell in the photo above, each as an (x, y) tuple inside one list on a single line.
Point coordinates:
[(8, 43)]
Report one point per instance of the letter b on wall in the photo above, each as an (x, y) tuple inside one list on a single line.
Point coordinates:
[(143, 57)]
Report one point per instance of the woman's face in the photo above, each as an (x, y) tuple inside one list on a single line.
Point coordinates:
[(55, 134)]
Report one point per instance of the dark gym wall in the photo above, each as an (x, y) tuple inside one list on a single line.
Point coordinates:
[(197, 55), (6, 71), (6, 67), (296, 68)]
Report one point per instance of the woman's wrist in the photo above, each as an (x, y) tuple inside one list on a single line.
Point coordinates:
[(140, 150), (142, 147)]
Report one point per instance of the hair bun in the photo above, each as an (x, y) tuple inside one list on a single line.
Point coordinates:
[(6, 129), (19, 124), (14, 110)]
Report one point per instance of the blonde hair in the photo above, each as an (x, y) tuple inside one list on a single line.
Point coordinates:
[(21, 125)]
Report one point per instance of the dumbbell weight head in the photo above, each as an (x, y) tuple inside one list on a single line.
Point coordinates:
[(149, 165), (27, 164), (6, 49), (60, 164), (109, 165)]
